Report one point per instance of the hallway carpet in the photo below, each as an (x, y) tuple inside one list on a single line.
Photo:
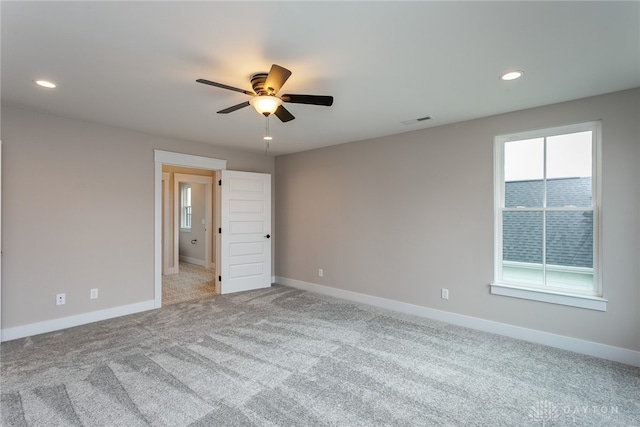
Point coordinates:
[(192, 282)]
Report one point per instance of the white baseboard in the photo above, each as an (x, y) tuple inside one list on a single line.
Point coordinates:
[(603, 351), (76, 320), (174, 270), (195, 261)]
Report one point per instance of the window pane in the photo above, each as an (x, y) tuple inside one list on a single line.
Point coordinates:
[(523, 172), (522, 247), (570, 238), (569, 166), (569, 255), (565, 192), (525, 194)]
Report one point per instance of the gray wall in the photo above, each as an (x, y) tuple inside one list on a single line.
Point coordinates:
[(402, 216), (78, 213)]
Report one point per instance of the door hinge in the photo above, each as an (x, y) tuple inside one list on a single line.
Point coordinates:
[(219, 278), (219, 182), (219, 230)]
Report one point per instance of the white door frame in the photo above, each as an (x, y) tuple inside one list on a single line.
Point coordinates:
[(193, 179), (167, 222), (173, 159)]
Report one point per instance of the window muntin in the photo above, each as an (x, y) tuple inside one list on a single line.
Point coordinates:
[(546, 210)]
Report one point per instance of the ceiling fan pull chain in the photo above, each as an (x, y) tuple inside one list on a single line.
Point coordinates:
[(267, 138)]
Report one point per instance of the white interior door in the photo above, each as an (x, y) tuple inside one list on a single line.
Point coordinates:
[(245, 216)]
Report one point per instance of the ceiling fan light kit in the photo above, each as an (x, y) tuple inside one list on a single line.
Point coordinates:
[(265, 105)]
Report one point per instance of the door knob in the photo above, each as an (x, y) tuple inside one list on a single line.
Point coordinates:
[(268, 236)]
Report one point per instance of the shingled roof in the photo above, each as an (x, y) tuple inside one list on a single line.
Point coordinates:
[(569, 233)]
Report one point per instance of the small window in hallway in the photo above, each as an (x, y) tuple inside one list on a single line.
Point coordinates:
[(185, 207)]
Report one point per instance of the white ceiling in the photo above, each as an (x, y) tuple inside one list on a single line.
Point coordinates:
[(134, 64)]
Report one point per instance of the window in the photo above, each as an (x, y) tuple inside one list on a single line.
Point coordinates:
[(546, 216), (185, 207)]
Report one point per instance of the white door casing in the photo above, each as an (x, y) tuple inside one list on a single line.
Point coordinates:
[(167, 221), (245, 218)]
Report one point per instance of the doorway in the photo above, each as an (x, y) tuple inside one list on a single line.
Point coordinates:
[(243, 224), (165, 158), (188, 250)]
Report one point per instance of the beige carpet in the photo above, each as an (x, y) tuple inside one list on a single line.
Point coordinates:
[(191, 283)]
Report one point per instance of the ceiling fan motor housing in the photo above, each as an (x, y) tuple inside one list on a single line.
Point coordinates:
[(257, 82)]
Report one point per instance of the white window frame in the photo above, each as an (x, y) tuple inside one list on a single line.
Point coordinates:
[(183, 208), (592, 300)]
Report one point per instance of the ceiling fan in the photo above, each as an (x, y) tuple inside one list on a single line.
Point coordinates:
[(264, 96)]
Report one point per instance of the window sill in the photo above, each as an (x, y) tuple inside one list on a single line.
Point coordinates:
[(580, 301), (185, 230)]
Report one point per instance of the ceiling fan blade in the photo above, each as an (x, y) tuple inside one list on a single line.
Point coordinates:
[(234, 108), (223, 86), (309, 99), (283, 114), (275, 79)]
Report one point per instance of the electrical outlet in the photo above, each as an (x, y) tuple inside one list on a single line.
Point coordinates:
[(94, 293), (60, 299), (445, 293), (320, 272)]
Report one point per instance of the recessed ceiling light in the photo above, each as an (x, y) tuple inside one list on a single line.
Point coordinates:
[(267, 138), (512, 75), (45, 83)]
